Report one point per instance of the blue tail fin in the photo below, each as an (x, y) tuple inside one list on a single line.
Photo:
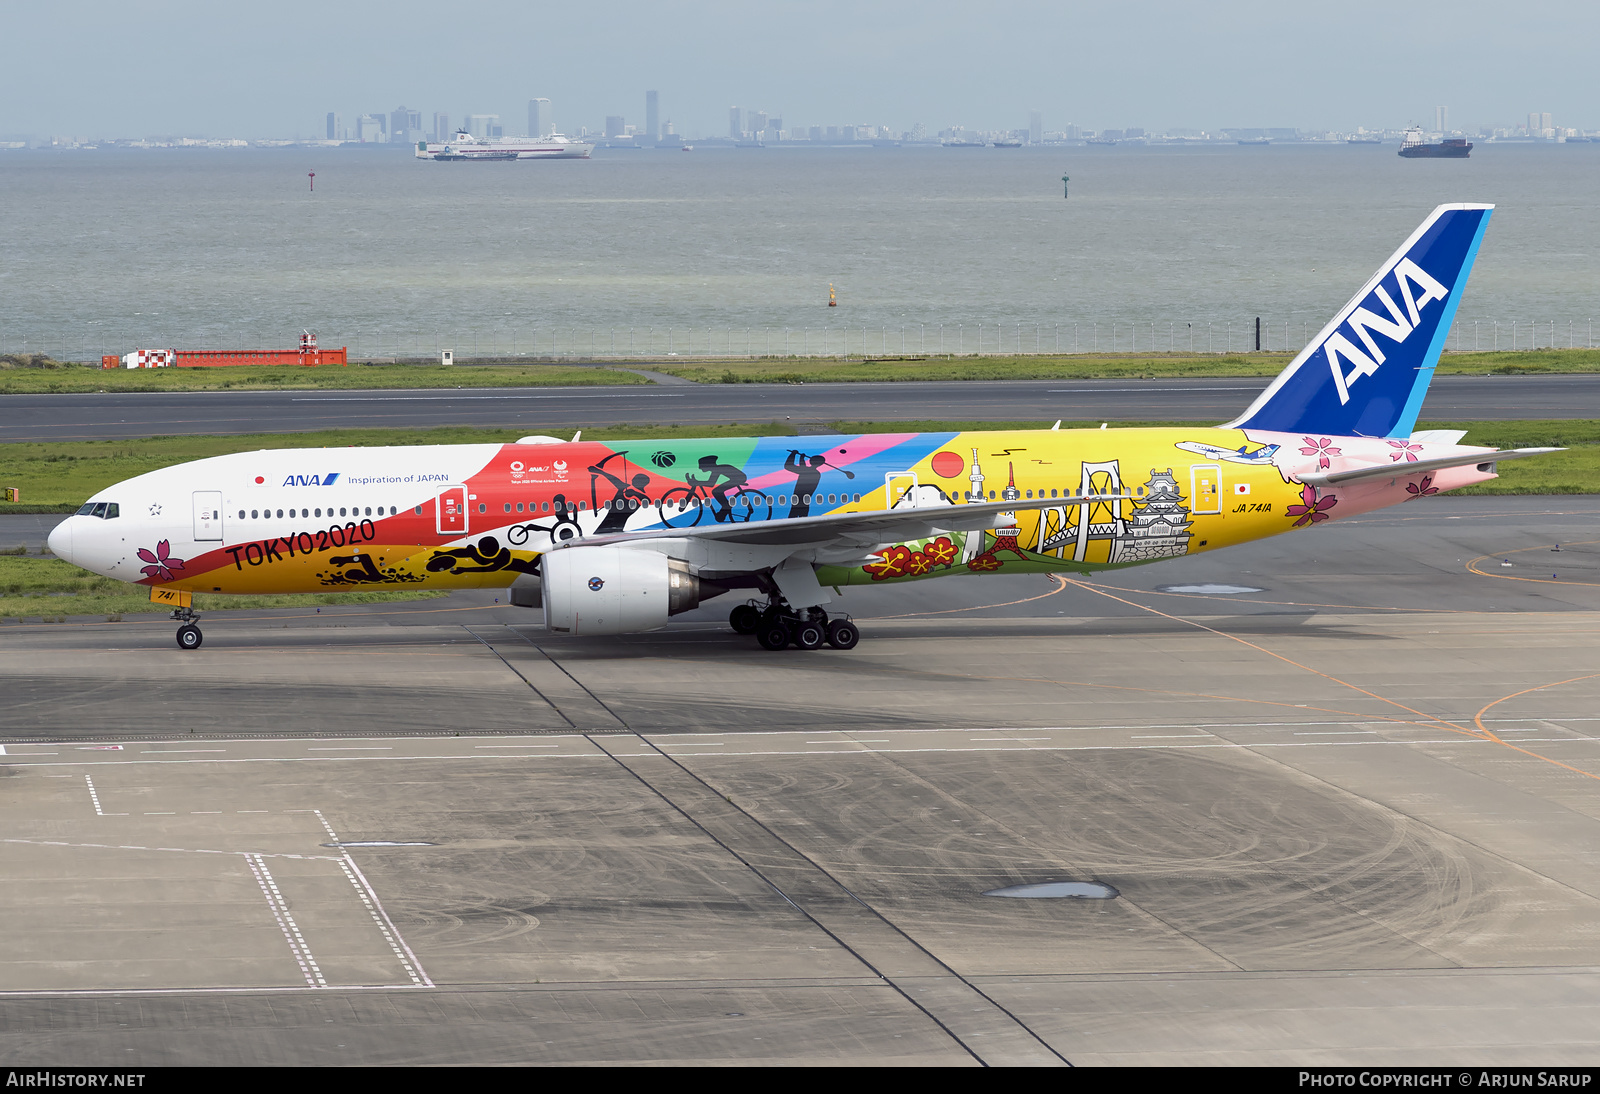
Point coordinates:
[(1367, 372)]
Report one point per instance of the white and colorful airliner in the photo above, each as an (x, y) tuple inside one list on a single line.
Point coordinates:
[(617, 537)]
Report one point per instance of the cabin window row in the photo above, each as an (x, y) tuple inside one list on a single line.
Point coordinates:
[(1029, 494), (745, 500), (353, 511)]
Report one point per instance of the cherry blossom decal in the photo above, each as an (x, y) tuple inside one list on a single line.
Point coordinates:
[(1313, 509), (161, 563), (1422, 489), (1407, 451), (1319, 448), (903, 561)]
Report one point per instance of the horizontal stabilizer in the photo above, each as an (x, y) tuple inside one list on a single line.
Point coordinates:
[(1485, 461)]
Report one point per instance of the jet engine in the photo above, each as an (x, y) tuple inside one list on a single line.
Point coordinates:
[(614, 590)]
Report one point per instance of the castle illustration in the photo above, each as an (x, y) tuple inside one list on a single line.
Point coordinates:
[(1154, 524)]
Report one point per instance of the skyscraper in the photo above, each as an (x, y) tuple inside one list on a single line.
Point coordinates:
[(652, 116), (614, 125), (735, 122), (405, 125), (539, 121), (1035, 127), (335, 130), (441, 127), (1441, 119), (483, 125)]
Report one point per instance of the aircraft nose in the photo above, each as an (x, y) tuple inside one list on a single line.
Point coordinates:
[(60, 540)]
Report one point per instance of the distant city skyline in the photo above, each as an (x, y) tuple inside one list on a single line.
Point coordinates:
[(1158, 64), (403, 125)]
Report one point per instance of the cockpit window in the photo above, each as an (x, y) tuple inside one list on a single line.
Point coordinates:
[(87, 510), (113, 510), (103, 509)]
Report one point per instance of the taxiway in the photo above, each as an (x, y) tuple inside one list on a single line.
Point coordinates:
[(1346, 783), (113, 415)]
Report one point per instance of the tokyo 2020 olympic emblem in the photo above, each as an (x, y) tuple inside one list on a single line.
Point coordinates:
[(596, 583)]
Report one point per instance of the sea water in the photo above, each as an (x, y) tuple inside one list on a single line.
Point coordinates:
[(925, 248)]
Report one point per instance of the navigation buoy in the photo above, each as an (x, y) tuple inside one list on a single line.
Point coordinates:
[(833, 301), (312, 175), (1065, 189)]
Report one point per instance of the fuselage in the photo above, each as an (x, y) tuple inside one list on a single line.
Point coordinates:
[(476, 516)]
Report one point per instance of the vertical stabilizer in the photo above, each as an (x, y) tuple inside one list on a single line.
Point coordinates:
[(1368, 370)]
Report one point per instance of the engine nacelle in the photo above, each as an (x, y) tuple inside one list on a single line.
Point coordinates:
[(614, 590)]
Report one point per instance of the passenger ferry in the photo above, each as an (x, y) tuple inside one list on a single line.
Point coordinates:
[(464, 146)]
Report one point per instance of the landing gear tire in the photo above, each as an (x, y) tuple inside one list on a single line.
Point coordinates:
[(808, 635), (772, 635), (843, 634), (189, 637), (745, 619)]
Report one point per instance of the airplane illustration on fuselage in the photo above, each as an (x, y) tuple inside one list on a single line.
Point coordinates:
[(1243, 454), (617, 537)]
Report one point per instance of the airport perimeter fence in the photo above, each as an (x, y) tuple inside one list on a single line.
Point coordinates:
[(922, 340)]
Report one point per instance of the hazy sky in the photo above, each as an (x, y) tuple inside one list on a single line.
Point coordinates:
[(137, 67)]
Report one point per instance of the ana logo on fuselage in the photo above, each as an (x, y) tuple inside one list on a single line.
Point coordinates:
[(311, 480), (1364, 322)]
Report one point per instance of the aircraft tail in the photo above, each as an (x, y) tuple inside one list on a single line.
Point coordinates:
[(1368, 370)]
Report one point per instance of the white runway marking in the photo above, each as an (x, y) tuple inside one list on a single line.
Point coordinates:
[(177, 850), (369, 897), (95, 798), (291, 932)]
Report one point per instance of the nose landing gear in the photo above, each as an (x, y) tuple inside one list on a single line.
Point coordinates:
[(189, 636)]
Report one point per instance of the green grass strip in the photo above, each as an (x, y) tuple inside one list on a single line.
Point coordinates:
[(50, 589), (41, 375)]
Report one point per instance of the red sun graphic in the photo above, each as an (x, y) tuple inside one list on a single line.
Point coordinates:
[(260, 480), (947, 465)]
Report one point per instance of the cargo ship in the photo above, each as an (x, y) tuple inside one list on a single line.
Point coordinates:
[(1414, 148), (464, 146), (308, 354)]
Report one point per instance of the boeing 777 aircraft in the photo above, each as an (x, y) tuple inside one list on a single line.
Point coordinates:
[(617, 537)]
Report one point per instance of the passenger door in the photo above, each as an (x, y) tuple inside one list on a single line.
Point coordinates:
[(899, 486), (451, 508), (1205, 488), (207, 515)]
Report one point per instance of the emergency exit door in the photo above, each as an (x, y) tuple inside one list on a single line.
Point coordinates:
[(452, 511), (207, 515), (1205, 488)]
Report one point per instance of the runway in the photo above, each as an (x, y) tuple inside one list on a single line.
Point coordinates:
[(110, 416), (1350, 810)]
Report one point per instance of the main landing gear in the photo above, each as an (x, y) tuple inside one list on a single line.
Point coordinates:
[(777, 627), (189, 636)]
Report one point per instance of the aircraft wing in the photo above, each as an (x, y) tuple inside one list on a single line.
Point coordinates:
[(876, 526), (1394, 470)]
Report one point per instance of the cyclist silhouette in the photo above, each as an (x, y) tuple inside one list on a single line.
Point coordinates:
[(616, 517), (807, 472), (730, 475)]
